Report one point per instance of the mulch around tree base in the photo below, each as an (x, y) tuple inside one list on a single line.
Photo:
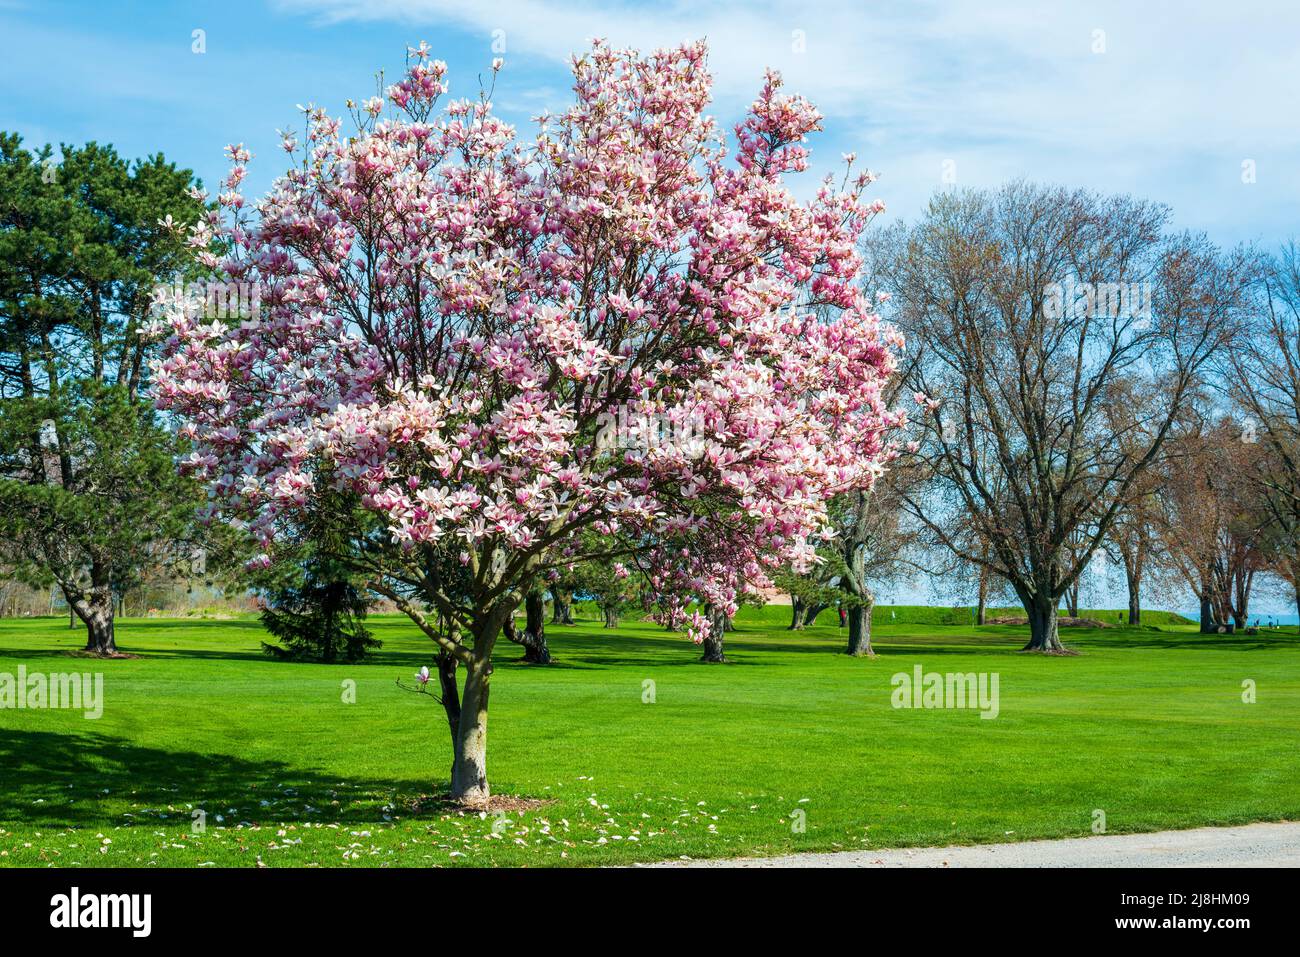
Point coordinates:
[(83, 653), (442, 804)]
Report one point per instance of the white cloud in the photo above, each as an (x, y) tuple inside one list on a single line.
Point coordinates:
[(1180, 95), (1017, 68)]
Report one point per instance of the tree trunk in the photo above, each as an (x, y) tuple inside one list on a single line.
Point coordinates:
[(1072, 600), (536, 650), (562, 607), (982, 604), (1241, 606), (469, 783), (1134, 595), (101, 638), (611, 616), (1207, 615), (805, 614), (96, 610), (713, 643), (796, 614), (450, 691), (533, 637), (1222, 612), (1043, 634), (713, 649), (860, 631)]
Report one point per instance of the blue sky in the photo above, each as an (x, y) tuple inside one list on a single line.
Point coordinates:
[(1162, 100), (1167, 101)]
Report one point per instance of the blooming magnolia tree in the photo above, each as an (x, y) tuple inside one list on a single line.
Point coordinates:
[(451, 314)]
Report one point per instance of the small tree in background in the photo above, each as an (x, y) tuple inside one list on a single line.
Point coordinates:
[(875, 544), (1215, 522), (562, 600), (612, 585), (1264, 381), (1135, 541), (814, 591), (318, 614)]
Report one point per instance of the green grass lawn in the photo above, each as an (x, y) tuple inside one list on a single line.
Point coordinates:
[(1147, 726)]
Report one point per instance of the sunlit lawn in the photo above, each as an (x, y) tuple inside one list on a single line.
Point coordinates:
[(1149, 727)]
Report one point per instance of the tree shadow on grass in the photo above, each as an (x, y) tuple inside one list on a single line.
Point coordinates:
[(749, 647), (136, 653), (28, 654), (619, 649), (157, 624), (63, 780), (1190, 640), (831, 643)]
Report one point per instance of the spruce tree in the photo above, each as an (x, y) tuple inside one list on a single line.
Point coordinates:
[(317, 611)]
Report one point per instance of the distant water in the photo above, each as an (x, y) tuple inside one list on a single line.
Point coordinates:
[(1261, 618)]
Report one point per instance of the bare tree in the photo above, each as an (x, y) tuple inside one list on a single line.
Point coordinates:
[(876, 542), (1035, 306), (1135, 544), (1214, 525), (951, 576), (1264, 375)]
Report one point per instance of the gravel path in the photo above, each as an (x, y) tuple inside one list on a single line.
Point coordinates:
[(1250, 845)]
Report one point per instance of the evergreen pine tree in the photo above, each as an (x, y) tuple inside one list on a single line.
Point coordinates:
[(319, 614)]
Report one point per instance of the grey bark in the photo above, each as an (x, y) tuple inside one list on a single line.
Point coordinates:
[(95, 608), (533, 637), (712, 645), (562, 606), (1043, 633), (860, 631)]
